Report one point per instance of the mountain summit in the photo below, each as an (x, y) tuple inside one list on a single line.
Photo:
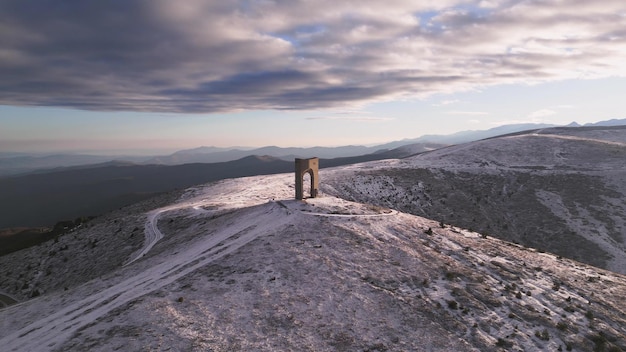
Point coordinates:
[(239, 265)]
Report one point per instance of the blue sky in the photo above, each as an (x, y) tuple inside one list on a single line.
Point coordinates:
[(124, 76)]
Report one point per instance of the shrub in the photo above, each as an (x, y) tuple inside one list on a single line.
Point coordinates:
[(504, 343), (452, 304), (570, 308), (543, 335), (451, 275), (600, 341)]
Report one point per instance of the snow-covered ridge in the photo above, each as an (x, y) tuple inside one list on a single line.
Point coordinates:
[(559, 190), (242, 266)]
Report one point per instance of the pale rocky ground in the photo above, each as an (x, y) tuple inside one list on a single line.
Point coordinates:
[(241, 266)]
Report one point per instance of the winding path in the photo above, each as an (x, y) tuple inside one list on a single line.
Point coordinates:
[(51, 331)]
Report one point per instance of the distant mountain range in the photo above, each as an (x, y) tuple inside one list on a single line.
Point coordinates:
[(44, 198), (17, 163)]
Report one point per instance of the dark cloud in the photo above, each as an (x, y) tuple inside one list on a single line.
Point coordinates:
[(209, 56)]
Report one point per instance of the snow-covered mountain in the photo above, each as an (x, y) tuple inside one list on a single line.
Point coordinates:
[(239, 265), (561, 190)]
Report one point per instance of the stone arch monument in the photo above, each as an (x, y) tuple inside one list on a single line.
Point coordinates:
[(304, 166)]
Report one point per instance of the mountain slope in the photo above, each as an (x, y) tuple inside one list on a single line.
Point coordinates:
[(561, 190), (241, 266)]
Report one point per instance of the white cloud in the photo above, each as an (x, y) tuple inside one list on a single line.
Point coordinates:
[(447, 102), (541, 113), (468, 113), (352, 118), (208, 56)]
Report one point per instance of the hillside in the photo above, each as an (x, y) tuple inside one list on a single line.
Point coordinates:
[(560, 190), (239, 265)]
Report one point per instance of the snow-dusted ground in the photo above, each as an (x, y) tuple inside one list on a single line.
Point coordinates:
[(562, 192), (239, 265)]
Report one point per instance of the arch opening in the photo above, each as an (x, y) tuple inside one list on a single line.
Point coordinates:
[(307, 183)]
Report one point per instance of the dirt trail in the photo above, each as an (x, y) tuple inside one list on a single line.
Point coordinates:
[(56, 328)]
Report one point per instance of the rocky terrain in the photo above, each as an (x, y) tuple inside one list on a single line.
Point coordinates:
[(239, 265), (560, 190)]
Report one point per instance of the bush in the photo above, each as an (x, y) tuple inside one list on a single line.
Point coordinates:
[(543, 335), (450, 275), (504, 343), (599, 341), (452, 304)]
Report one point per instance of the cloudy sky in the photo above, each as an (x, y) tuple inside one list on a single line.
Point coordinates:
[(132, 74)]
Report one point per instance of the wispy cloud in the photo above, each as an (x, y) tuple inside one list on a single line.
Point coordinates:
[(468, 113), (351, 118), (447, 102), (209, 56), (541, 113)]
